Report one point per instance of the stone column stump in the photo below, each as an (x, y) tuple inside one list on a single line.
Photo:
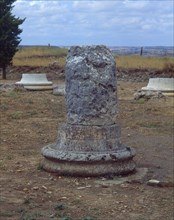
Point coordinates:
[(88, 143)]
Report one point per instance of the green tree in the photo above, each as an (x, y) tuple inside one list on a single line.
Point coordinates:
[(9, 34)]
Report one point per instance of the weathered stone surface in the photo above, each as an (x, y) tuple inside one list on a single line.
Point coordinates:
[(88, 144), (85, 169), (91, 86), (146, 95)]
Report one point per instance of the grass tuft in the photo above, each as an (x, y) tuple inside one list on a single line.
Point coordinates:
[(16, 115), (59, 206), (5, 214)]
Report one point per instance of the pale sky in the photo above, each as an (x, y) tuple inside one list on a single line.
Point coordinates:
[(89, 22)]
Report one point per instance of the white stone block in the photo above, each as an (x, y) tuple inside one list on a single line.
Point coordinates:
[(165, 85), (35, 81)]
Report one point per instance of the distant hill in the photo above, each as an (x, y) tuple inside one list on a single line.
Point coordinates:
[(146, 51), (162, 51)]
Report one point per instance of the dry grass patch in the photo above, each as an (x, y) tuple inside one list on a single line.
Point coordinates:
[(45, 55), (40, 51), (40, 56), (140, 62)]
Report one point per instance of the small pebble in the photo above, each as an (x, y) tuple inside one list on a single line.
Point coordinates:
[(153, 182), (35, 187)]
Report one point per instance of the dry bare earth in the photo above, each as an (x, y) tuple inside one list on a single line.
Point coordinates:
[(55, 72), (30, 120)]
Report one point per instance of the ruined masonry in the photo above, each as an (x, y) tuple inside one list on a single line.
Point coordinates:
[(88, 143)]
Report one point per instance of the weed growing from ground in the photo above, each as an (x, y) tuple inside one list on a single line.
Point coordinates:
[(40, 167), (150, 124), (2, 165), (32, 112), (16, 115), (59, 206), (4, 107), (32, 216), (5, 214), (21, 210), (66, 218), (27, 201), (30, 101), (12, 94)]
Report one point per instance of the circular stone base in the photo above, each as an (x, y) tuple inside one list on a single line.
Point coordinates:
[(69, 163), (38, 87), (88, 151), (85, 169)]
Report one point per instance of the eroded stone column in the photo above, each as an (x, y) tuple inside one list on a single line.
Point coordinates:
[(88, 144)]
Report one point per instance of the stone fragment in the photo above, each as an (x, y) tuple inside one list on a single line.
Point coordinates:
[(59, 90), (88, 143), (35, 187), (146, 95), (154, 182)]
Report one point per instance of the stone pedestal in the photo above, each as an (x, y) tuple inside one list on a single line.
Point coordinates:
[(35, 81), (88, 144), (165, 85)]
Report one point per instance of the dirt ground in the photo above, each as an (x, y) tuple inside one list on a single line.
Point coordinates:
[(30, 120)]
